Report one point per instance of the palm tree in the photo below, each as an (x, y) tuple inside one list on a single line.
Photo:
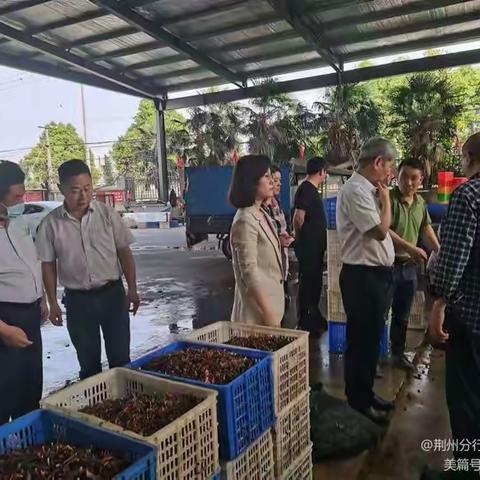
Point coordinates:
[(269, 123), (348, 116), (425, 110), (215, 133)]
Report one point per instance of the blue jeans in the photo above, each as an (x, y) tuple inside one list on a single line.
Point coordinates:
[(405, 284)]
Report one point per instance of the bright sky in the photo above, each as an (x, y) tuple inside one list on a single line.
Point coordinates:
[(29, 100)]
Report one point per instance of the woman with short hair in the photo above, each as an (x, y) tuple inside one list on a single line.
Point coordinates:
[(256, 251)]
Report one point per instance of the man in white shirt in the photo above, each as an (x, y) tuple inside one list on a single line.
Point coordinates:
[(88, 244), (21, 306), (364, 218)]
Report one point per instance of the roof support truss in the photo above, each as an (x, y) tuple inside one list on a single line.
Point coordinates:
[(64, 73), (20, 5), (331, 79), (75, 60), (290, 13), (159, 33)]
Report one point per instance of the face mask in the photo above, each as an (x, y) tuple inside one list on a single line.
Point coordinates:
[(15, 210)]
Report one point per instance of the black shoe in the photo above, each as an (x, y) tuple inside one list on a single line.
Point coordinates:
[(401, 362), (379, 403), (376, 416)]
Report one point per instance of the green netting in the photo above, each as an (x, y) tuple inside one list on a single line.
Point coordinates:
[(337, 431)]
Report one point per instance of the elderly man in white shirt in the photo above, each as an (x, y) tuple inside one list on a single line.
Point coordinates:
[(367, 252), (21, 305)]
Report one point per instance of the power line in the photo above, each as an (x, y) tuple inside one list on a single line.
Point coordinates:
[(99, 143)]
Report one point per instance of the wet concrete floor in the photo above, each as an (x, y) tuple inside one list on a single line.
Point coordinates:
[(420, 414), (182, 289)]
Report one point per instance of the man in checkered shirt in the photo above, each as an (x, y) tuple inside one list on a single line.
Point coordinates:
[(456, 310)]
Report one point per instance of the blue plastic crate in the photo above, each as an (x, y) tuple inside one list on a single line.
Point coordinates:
[(337, 338), (245, 406), (42, 426), (330, 205)]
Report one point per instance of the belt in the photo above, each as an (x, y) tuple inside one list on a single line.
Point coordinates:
[(368, 268), (95, 290), (21, 305)]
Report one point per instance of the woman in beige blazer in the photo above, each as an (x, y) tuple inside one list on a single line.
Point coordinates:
[(256, 253)]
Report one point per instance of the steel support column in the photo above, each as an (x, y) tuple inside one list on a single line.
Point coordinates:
[(161, 151)]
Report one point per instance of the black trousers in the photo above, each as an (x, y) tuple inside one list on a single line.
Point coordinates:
[(366, 295), (405, 282), (310, 281), (90, 311), (21, 373), (463, 386)]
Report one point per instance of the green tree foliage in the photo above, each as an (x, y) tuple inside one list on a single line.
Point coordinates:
[(108, 172), (65, 144), (467, 81), (214, 133), (425, 111), (270, 123), (347, 116), (134, 151)]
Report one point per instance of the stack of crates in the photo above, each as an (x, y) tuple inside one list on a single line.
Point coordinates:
[(336, 313), (337, 329), (444, 186), (284, 452), (42, 427), (416, 320), (245, 410), (447, 184), (184, 449)]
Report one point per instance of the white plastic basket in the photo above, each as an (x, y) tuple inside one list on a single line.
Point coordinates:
[(416, 320), (187, 447), (334, 263), (302, 469), (290, 363), (336, 312), (291, 435), (255, 464)]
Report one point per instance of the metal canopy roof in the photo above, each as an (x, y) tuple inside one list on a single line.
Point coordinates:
[(150, 48)]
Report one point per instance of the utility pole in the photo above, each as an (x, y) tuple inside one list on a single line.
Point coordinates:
[(84, 121), (49, 163), (161, 152)]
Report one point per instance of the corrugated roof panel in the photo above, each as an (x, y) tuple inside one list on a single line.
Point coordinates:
[(271, 50), (218, 38), (167, 69), (201, 76), (251, 37), (329, 11), (178, 7), (52, 11), (157, 54), (244, 13), (20, 50), (278, 62), (246, 36), (86, 31), (431, 33)]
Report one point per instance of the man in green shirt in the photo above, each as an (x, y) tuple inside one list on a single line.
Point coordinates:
[(410, 221)]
